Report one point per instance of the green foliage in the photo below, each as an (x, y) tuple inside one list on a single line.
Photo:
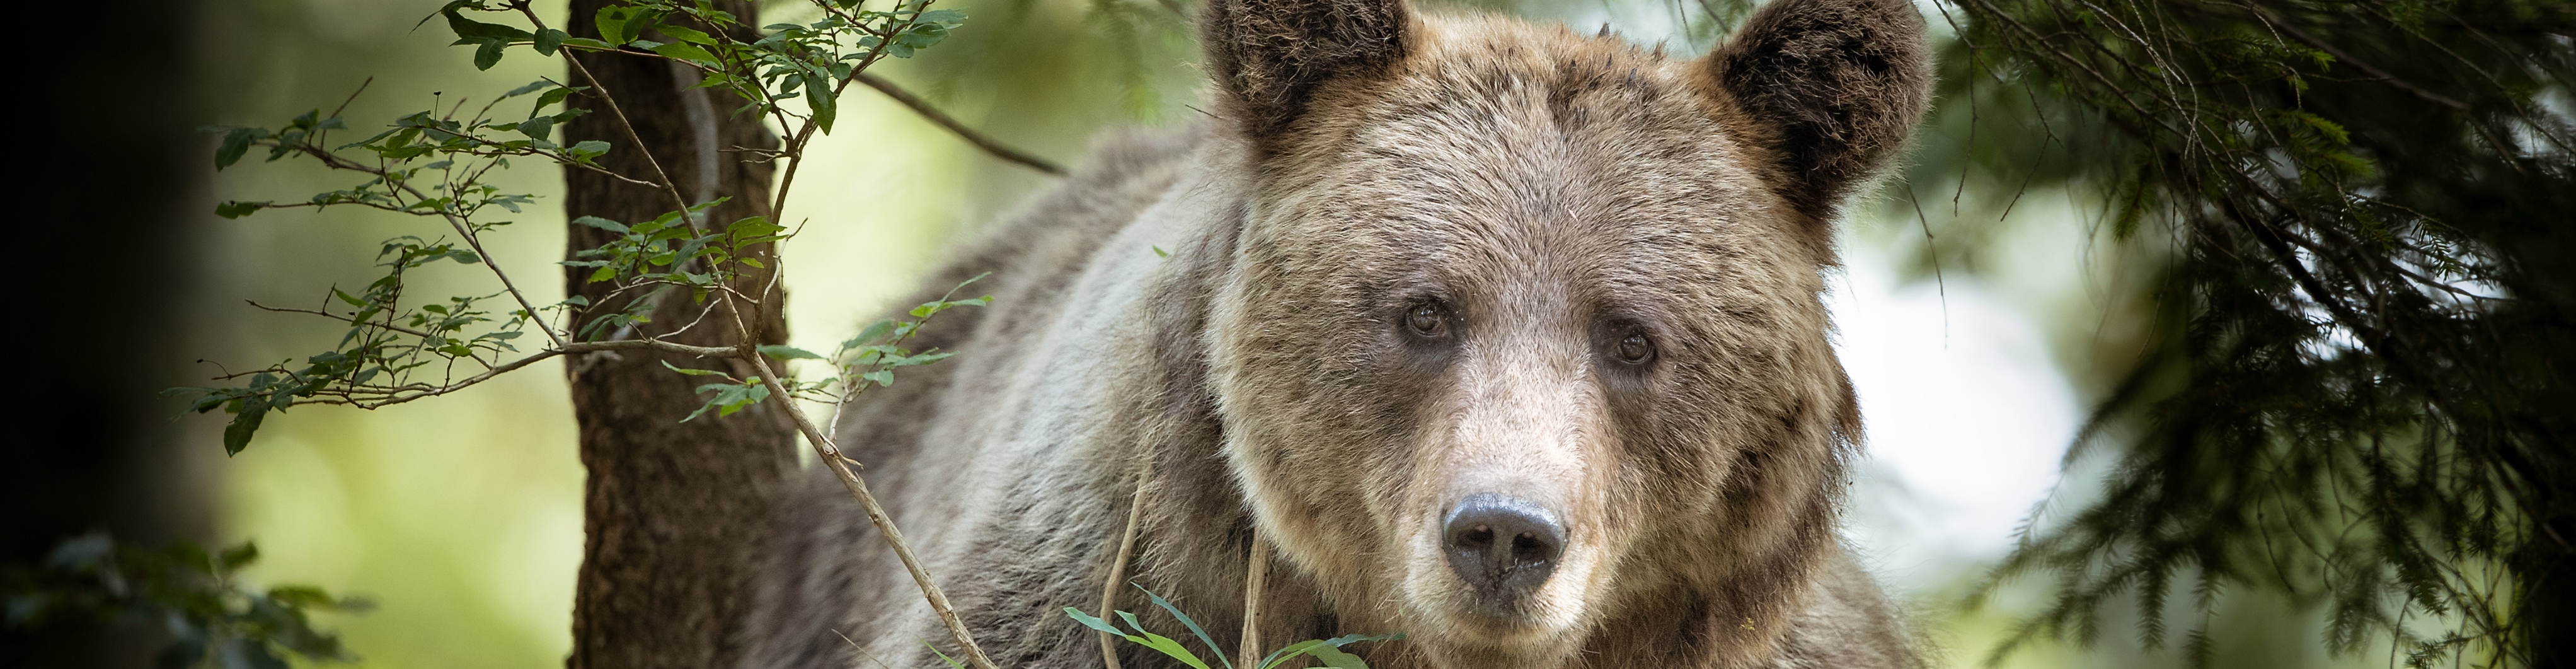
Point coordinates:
[(811, 62), (861, 362), (215, 618), (434, 164), (1328, 651), (2357, 393)]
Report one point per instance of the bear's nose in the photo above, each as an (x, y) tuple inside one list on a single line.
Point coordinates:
[(1502, 546)]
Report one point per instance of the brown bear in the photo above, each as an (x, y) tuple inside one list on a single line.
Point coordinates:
[(1497, 335)]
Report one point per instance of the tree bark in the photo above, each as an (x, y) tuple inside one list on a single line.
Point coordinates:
[(669, 506)]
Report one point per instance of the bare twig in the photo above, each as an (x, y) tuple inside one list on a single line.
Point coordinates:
[(1126, 548), (1256, 578), (943, 120), (344, 103), (629, 126)]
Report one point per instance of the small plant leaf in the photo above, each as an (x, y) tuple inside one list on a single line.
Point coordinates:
[(784, 352), (238, 209), (1193, 626)]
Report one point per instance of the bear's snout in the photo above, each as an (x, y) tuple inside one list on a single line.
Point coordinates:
[(1503, 547)]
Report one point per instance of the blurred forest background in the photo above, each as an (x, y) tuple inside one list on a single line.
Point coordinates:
[(1981, 316)]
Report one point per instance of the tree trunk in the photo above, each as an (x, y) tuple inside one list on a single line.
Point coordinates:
[(670, 506), (92, 445)]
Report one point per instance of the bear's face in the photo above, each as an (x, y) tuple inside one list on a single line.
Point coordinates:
[(1505, 330), (1521, 342)]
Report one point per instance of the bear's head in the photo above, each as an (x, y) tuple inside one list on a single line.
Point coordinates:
[(1522, 343)]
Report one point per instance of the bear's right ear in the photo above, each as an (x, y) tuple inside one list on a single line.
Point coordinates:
[(1830, 89), (1269, 56)]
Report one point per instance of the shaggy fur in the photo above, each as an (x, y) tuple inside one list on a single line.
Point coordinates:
[(1548, 195)]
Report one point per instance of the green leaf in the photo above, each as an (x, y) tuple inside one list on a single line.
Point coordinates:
[(589, 43), (601, 223), (1291, 651), (917, 360), (694, 372), (532, 87), (934, 650), (824, 107), (237, 434), (550, 39), (238, 556), (685, 51), (1193, 626), (1095, 623), (469, 29), (1162, 643), (489, 54), (1335, 658), (549, 98), (612, 24), (873, 332), (236, 142), (589, 149), (238, 209), (685, 34), (537, 128), (785, 352)]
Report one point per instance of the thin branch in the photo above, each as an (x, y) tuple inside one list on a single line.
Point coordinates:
[(453, 221), (943, 120), (494, 264), (653, 345), (1126, 548), (2382, 75), (830, 453), (337, 317), (1256, 578), (353, 97), (796, 147), (640, 146)]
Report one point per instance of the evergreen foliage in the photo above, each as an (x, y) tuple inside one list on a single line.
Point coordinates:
[(2357, 391)]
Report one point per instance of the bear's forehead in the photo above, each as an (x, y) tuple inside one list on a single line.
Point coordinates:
[(1504, 143), (1492, 121)]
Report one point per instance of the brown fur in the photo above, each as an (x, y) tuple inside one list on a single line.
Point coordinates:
[(1552, 192)]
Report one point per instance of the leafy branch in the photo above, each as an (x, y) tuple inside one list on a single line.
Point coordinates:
[(435, 163), (215, 617), (2351, 396), (866, 360)]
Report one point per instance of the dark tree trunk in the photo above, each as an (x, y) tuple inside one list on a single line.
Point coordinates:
[(90, 442), (670, 506)]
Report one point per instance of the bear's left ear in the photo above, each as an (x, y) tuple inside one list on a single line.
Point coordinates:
[(1829, 88)]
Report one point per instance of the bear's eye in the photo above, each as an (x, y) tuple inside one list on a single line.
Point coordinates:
[(1426, 320), (1636, 349)]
